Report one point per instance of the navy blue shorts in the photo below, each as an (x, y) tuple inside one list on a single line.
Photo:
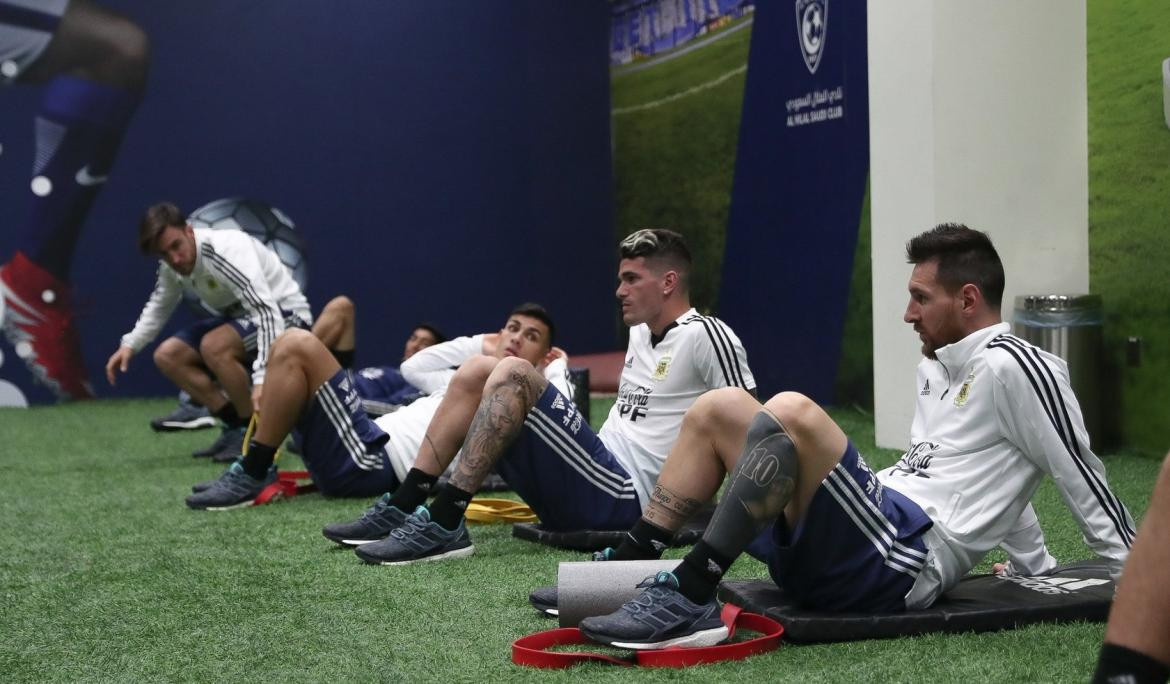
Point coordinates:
[(342, 448), (193, 334), (859, 547), (563, 471), (383, 389)]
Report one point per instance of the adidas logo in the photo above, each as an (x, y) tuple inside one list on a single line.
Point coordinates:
[(925, 388), (558, 403), (1055, 585)]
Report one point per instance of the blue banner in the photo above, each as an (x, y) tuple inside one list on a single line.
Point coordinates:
[(799, 186)]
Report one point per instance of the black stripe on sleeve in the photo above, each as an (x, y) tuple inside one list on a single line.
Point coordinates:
[(1038, 373)]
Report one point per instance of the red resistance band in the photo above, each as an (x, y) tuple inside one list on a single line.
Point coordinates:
[(288, 484), (532, 650)]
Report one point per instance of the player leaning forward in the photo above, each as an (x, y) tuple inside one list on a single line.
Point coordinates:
[(506, 416), (232, 273), (994, 415)]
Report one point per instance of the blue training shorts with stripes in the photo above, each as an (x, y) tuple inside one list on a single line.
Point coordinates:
[(342, 448), (563, 471), (244, 326), (859, 547)]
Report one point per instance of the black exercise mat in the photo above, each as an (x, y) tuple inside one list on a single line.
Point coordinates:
[(980, 603), (596, 540)]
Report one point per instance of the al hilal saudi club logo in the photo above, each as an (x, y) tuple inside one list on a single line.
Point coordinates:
[(812, 20)]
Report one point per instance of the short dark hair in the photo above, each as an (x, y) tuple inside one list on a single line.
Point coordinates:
[(433, 330), (157, 219), (964, 256), (662, 245), (534, 310)]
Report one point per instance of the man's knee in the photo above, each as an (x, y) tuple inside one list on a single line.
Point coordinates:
[(340, 306), (718, 407), (292, 346), (797, 413), (473, 374), (221, 344), (172, 353), (510, 371)]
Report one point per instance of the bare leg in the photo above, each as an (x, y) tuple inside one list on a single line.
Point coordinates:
[(183, 366), (449, 425), (298, 364), (223, 352), (708, 445), (335, 326), (1140, 617), (510, 392)]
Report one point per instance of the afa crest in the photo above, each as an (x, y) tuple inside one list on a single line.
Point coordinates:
[(662, 368), (964, 391), (812, 24)]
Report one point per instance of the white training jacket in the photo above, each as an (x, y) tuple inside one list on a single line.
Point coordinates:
[(994, 415), (234, 275)]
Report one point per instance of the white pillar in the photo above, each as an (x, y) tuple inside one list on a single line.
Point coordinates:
[(977, 115)]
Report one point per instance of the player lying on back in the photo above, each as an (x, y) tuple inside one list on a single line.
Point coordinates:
[(346, 452), (994, 415)]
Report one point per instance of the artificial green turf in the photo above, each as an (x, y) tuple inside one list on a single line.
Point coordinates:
[(1129, 202), (105, 575)]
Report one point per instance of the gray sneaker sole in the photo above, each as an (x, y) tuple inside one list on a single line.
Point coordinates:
[(179, 426), (457, 553)]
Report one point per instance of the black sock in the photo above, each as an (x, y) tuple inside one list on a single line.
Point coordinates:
[(644, 541), (1120, 664), (344, 357), (229, 416), (413, 491), (258, 459), (449, 506), (700, 571)]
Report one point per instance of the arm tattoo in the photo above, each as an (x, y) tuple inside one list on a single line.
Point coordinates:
[(496, 423), (669, 509)]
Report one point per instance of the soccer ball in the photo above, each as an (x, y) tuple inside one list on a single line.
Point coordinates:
[(262, 221)]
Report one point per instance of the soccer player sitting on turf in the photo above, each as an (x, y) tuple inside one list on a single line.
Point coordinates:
[(994, 415), (233, 273), (507, 416), (347, 453), (1137, 638)]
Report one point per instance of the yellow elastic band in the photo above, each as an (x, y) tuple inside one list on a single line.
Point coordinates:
[(485, 510)]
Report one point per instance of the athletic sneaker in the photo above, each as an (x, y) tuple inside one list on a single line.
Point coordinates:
[(416, 540), (544, 599), (38, 322), (186, 416), (659, 617), (374, 525), (207, 484), (226, 448), (233, 489)]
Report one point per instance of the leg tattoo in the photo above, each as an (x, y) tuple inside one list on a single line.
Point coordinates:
[(761, 486), (496, 423), (669, 509)]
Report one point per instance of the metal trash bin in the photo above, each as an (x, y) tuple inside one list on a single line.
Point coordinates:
[(1069, 326)]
